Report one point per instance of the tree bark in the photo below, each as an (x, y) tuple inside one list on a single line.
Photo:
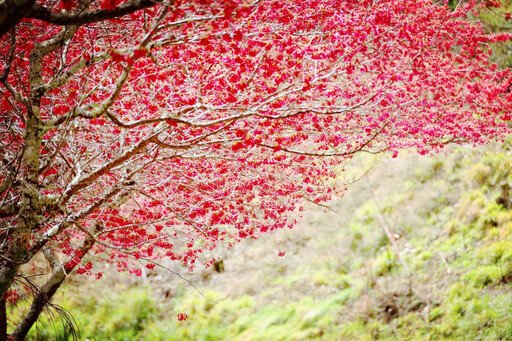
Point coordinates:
[(11, 12), (3, 320), (8, 272), (87, 17)]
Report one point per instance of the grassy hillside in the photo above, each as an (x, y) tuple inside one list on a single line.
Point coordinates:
[(420, 248)]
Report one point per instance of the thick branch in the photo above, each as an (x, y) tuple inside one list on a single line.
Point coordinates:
[(37, 88), (11, 12), (8, 210), (78, 184), (81, 18), (73, 219)]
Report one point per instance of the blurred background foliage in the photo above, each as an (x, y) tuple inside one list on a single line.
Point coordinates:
[(446, 274), (494, 20)]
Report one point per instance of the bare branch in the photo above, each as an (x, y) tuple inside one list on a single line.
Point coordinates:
[(86, 181), (51, 258)]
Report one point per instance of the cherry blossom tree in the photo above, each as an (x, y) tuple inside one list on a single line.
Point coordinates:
[(159, 129)]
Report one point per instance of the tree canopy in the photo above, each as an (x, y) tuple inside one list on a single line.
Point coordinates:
[(159, 129)]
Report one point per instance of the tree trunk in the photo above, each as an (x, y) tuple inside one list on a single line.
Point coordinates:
[(3, 320), (45, 294), (7, 273), (41, 299)]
